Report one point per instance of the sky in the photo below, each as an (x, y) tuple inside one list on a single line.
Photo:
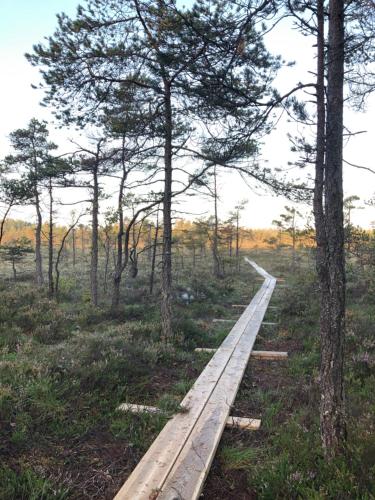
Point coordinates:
[(26, 22)]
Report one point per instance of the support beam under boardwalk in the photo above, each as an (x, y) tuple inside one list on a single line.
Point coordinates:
[(246, 424), (179, 459), (269, 355), (249, 424), (266, 355)]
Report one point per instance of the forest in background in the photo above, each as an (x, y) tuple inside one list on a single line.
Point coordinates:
[(164, 99)]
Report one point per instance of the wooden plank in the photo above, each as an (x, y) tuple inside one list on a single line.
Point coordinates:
[(269, 323), (167, 462), (133, 408), (269, 355), (266, 355), (189, 471), (248, 424), (218, 320), (239, 305), (252, 424)]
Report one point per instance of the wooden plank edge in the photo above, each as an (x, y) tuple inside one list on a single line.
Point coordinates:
[(266, 355), (248, 424), (232, 421), (133, 408), (269, 355)]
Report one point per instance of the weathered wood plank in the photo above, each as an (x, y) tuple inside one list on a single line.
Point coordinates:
[(133, 408), (172, 456), (266, 355), (269, 355), (232, 421), (248, 424), (191, 468)]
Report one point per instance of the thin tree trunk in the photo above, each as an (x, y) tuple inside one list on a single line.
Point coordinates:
[(294, 239), (238, 240), (117, 274), (215, 239), (14, 270), (3, 220), (153, 260), (166, 279), (149, 243), (107, 249), (74, 247), (51, 289), (332, 410), (59, 255), (94, 239), (38, 241)]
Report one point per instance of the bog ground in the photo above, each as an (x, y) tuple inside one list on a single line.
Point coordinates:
[(66, 367)]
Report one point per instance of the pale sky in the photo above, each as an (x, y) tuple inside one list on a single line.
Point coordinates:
[(25, 22)]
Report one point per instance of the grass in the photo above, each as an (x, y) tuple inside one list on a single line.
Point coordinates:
[(287, 457), (236, 458), (64, 369)]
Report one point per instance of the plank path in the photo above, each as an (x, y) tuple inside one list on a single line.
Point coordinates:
[(178, 461)]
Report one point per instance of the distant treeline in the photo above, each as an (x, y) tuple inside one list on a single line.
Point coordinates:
[(186, 233)]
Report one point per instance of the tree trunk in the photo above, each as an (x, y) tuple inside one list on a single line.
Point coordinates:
[(74, 247), (294, 239), (94, 239), (215, 239), (120, 235), (107, 249), (38, 241), (154, 248), (149, 243), (332, 411), (238, 240), (51, 288), (14, 270), (166, 278), (3, 220)]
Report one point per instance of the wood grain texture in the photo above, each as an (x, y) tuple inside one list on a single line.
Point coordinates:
[(247, 424), (232, 421), (176, 464), (133, 408)]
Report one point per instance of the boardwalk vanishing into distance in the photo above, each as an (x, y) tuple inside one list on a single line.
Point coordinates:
[(177, 463)]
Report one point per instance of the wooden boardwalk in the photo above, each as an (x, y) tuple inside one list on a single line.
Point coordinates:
[(177, 463)]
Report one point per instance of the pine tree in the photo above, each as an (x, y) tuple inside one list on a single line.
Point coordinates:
[(32, 154)]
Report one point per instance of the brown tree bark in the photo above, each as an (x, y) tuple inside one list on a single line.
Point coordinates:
[(166, 278), (331, 259), (154, 248), (119, 248), (238, 240), (51, 287), (3, 220), (38, 240), (215, 239), (74, 249), (94, 238)]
